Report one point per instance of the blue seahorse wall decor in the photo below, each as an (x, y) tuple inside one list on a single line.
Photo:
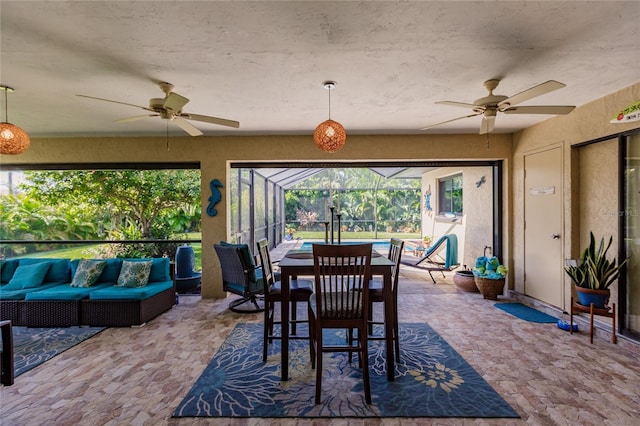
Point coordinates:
[(215, 198)]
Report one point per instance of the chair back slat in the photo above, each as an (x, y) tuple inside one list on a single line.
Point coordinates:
[(396, 246), (265, 261), (342, 272)]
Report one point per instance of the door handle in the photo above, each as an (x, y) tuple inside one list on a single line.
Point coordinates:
[(555, 236)]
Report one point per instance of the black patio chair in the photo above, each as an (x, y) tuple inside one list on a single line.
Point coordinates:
[(240, 276)]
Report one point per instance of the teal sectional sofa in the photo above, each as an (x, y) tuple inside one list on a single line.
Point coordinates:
[(99, 295)]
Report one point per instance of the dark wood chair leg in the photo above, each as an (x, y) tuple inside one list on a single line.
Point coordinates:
[(7, 369)]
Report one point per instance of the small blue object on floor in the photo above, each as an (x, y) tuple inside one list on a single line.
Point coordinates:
[(525, 312), (564, 325)]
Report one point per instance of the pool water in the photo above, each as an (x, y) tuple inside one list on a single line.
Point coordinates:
[(377, 245)]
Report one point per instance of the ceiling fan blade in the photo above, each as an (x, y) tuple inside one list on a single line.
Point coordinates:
[(550, 109), (449, 121), (456, 104), (136, 118), (116, 102), (174, 102), (487, 124), (187, 127), (540, 89), (213, 120)]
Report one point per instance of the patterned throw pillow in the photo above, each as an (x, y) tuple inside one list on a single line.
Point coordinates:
[(134, 274), (88, 272)]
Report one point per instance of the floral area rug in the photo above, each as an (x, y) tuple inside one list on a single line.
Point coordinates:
[(33, 346), (432, 380)]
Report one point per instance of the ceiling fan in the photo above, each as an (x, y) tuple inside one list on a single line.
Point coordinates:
[(170, 108), (490, 105)]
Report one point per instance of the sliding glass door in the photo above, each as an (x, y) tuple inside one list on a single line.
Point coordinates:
[(631, 178)]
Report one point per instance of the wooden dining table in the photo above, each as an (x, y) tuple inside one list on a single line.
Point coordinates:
[(300, 263)]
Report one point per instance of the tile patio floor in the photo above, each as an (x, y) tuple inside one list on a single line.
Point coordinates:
[(137, 376)]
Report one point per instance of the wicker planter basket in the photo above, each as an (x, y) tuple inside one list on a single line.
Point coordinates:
[(490, 289), (464, 281)]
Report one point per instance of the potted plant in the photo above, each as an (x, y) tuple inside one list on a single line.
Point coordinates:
[(427, 240), (465, 280), (489, 276), (593, 273)]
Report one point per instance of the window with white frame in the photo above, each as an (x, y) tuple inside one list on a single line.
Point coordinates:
[(450, 195)]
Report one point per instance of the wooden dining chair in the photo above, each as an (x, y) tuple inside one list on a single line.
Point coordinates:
[(376, 294), (342, 272), (299, 291)]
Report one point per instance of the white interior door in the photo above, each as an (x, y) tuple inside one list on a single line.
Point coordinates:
[(544, 264)]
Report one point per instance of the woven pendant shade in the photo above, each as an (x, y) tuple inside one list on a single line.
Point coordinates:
[(13, 140), (330, 136)]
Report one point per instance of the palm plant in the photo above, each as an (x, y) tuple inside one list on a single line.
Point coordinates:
[(595, 271)]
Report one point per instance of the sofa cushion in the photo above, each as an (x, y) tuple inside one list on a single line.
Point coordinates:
[(28, 276), (64, 292), (87, 272), (8, 267), (159, 268), (109, 273), (130, 293), (134, 273), (59, 269), (20, 294)]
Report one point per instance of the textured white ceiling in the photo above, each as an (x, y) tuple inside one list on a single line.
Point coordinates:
[(263, 63)]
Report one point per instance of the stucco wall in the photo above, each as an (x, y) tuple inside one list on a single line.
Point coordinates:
[(586, 123), (215, 153), (475, 228)]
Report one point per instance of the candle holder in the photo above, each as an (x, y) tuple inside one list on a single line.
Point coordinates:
[(332, 219), (339, 227), (326, 232)]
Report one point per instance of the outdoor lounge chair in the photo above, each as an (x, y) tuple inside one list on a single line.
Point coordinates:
[(433, 260)]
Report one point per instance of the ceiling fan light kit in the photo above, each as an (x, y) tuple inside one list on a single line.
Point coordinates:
[(490, 105), (330, 135), (13, 140), (170, 108)]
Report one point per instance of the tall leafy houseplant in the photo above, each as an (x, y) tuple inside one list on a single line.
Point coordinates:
[(595, 273)]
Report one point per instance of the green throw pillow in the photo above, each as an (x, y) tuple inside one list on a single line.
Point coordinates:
[(134, 274), (87, 272), (28, 276)]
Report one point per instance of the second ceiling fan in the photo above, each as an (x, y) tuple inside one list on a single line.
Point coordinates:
[(170, 108), (490, 105)]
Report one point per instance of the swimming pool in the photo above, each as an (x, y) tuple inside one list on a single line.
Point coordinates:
[(380, 245)]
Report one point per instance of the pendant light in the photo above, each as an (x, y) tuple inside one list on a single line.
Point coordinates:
[(13, 140), (330, 136)]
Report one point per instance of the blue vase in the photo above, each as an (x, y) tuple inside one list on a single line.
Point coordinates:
[(587, 296), (185, 261)]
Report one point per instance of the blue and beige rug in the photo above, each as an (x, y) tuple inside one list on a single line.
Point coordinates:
[(33, 346), (432, 380)]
